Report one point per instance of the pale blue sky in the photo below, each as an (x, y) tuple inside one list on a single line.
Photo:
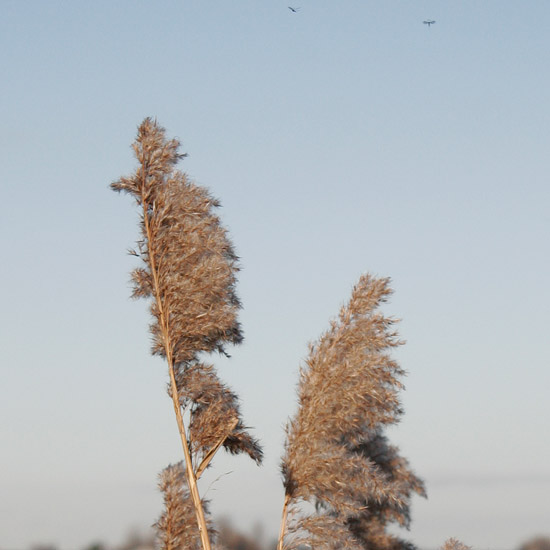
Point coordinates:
[(348, 137)]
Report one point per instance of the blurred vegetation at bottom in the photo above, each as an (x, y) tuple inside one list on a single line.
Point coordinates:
[(230, 538)]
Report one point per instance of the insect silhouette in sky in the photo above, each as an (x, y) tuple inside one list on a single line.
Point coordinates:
[(429, 22), (293, 10)]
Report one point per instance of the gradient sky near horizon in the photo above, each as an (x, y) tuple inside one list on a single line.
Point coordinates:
[(347, 137)]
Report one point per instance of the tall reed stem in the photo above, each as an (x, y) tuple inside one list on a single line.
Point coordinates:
[(191, 478)]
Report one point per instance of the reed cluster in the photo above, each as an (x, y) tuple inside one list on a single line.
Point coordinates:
[(345, 484)]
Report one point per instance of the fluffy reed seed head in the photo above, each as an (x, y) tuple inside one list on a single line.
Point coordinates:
[(177, 529), (214, 409), (400, 479), (321, 531), (335, 454), (189, 263), (189, 274)]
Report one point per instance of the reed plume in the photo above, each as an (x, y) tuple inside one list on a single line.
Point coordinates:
[(176, 529), (336, 456), (188, 273)]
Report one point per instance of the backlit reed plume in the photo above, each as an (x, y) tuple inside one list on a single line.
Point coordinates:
[(336, 456), (189, 274)]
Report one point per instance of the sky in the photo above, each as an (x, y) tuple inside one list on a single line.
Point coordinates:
[(346, 138)]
